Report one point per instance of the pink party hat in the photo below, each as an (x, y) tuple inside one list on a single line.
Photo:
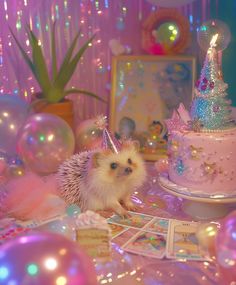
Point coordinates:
[(108, 140)]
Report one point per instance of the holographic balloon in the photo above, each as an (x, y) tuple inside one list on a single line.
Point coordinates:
[(45, 258), (45, 142), (226, 249), (88, 135), (210, 29), (13, 114)]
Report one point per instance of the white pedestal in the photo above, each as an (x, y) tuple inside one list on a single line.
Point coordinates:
[(205, 211), (197, 206)]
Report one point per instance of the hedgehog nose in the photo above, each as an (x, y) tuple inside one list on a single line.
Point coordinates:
[(128, 170)]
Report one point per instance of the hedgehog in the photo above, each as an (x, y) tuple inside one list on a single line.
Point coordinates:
[(101, 179)]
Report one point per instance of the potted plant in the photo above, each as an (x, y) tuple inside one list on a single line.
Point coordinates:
[(52, 97)]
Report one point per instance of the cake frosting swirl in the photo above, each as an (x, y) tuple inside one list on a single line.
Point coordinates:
[(90, 219)]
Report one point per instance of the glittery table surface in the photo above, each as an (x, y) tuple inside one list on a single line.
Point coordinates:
[(127, 268), (131, 269)]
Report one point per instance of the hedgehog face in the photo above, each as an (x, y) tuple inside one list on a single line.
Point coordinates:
[(125, 166), (120, 169)]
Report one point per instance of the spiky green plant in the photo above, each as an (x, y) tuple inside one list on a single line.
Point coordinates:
[(53, 89)]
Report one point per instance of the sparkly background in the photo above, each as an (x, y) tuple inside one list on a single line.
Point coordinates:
[(121, 20)]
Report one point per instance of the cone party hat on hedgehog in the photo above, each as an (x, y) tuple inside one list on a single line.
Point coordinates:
[(104, 178)]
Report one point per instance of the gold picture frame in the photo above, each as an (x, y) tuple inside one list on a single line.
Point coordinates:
[(145, 91)]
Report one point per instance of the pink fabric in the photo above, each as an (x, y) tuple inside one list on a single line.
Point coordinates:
[(30, 197)]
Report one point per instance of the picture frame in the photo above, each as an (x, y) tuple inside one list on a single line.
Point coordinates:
[(145, 91)]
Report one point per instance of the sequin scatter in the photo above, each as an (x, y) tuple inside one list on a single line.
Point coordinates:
[(196, 125), (179, 167), (195, 152)]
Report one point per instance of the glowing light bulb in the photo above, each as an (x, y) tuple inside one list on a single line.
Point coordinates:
[(4, 272), (12, 127), (61, 280), (32, 269), (50, 137), (50, 263)]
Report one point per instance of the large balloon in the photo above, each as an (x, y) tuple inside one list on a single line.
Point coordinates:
[(13, 113), (226, 249), (170, 3), (45, 259), (45, 142)]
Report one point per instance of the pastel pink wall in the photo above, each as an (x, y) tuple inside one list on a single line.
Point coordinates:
[(109, 19)]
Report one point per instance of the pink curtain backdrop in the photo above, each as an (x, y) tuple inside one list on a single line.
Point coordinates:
[(109, 19)]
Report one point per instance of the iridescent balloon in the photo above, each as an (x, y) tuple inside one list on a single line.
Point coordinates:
[(211, 28), (45, 142), (45, 258), (13, 114), (88, 135), (226, 248)]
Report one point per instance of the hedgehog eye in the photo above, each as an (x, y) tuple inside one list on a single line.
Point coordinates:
[(129, 161), (114, 165)]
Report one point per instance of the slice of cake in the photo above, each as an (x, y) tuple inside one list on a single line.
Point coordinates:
[(94, 234)]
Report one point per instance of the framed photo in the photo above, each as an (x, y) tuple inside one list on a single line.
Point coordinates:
[(145, 91)]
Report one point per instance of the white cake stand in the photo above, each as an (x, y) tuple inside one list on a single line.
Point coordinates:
[(198, 205)]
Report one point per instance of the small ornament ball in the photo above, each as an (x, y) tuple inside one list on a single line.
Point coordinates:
[(88, 136), (206, 235), (73, 210), (211, 28)]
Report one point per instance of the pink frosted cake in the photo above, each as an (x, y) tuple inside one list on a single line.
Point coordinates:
[(203, 162), (202, 143)]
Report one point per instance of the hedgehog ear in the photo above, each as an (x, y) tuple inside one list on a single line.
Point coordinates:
[(98, 156), (95, 159)]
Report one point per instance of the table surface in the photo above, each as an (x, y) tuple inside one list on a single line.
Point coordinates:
[(132, 269)]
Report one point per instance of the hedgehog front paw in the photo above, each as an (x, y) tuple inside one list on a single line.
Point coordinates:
[(118, 209), (130, 206)]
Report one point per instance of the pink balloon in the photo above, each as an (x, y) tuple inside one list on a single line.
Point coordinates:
[(45, 259), (45, 142), (226, 249)]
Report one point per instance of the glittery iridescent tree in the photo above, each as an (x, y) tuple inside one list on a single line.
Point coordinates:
[(210, 109)]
